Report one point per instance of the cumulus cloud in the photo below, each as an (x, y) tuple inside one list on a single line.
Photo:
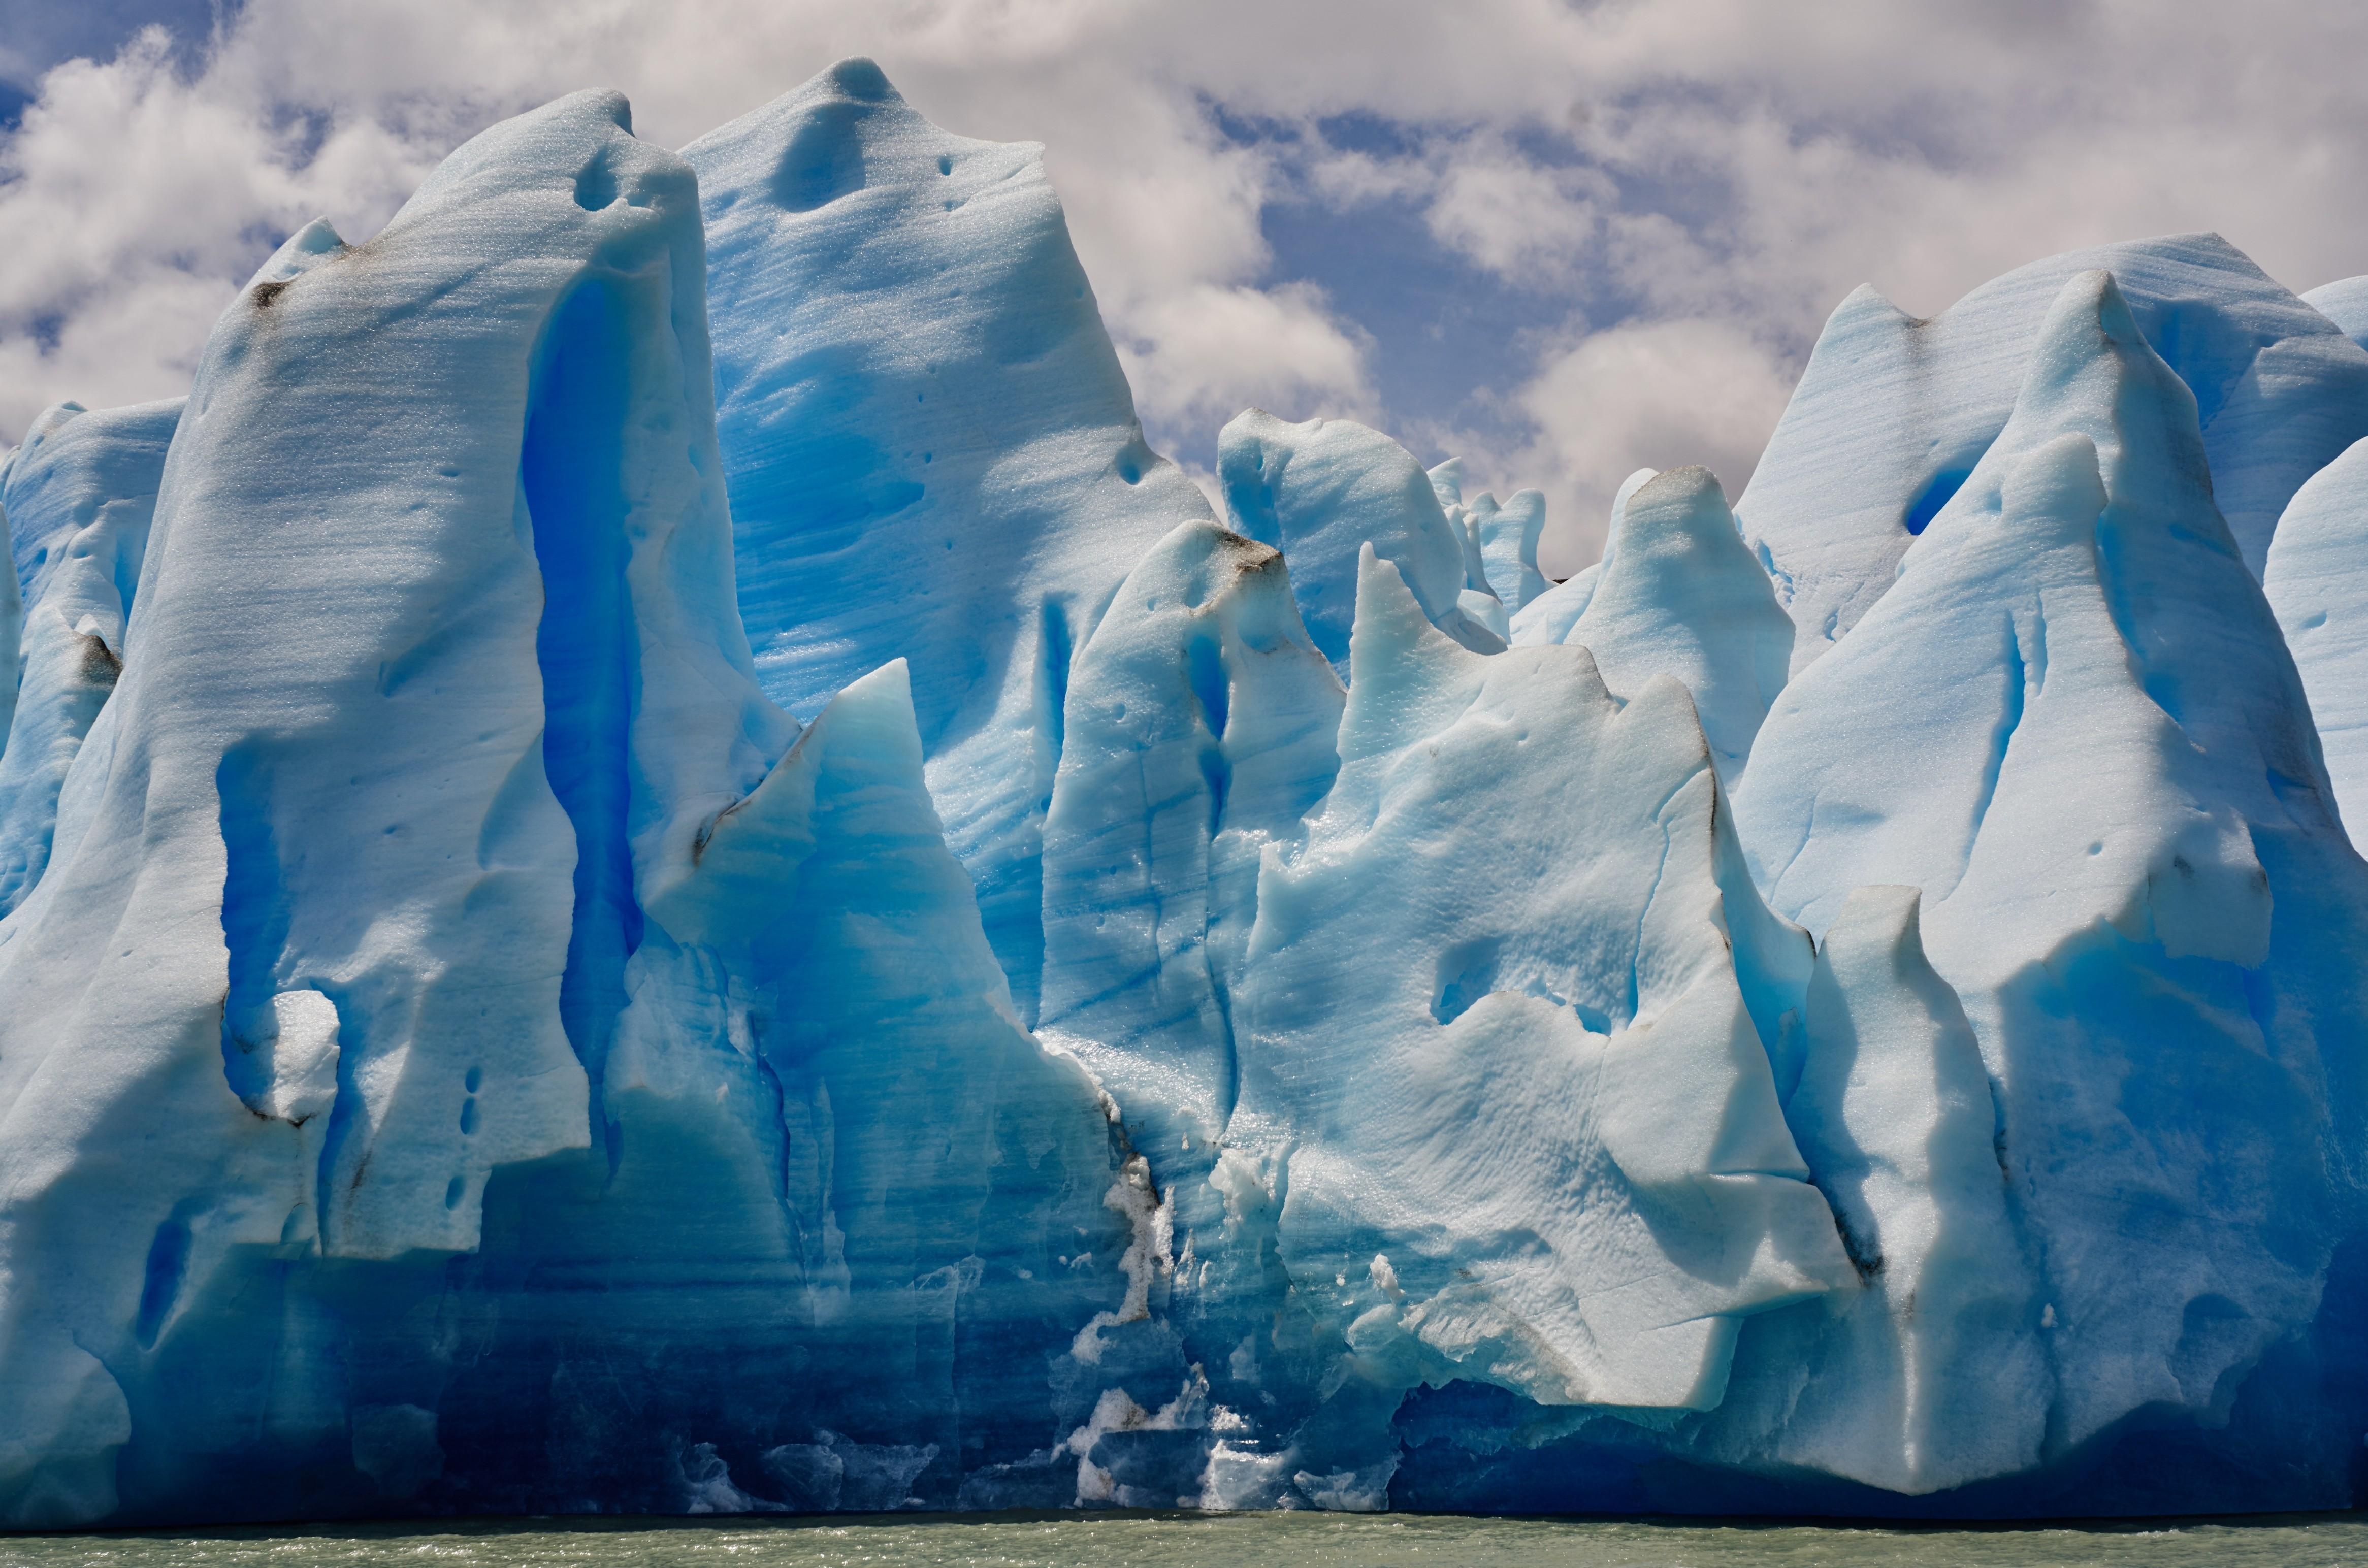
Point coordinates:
[(1680, 188), (1197, 355), (1658, 395)]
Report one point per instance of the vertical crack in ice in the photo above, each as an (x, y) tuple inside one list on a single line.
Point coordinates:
[(2001, 737), (571, 477)]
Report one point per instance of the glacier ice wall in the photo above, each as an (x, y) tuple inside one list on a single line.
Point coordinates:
[(1847, 1005)]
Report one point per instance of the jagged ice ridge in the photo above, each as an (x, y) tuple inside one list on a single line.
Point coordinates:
[(650, 862)]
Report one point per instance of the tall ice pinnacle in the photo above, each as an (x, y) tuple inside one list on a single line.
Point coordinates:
[(932, 449), (1894, 413)]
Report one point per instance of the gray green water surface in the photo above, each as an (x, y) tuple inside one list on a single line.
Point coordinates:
[(1316, 1541)]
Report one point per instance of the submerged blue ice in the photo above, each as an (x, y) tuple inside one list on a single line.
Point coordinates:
[(649, 862)]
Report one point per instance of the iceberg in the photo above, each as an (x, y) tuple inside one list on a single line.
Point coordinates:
[(652, 864)]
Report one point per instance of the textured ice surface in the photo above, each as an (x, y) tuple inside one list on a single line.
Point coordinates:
[(378, 877), (1192, 1017), (1892, 413), (1508, 534), (1571, 990), (1927, 1374), (2344, 302)]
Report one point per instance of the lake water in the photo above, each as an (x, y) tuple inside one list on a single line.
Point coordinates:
[(1303, 1540)]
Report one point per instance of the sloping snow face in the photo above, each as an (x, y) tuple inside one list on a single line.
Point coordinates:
[(931, 451), (2072, 726), (1894, 414), (1320, 492), (2318, 584), (78, 497), (462, 1054)]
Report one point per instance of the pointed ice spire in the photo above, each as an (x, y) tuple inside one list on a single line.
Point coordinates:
[(1447, 483), (1508, 536), (1679, 593), (1320, 491), (861, 1065), (2073, 726), (1549, 617), (931, 449), (1894, 413), (78, 499), (1199, 730)]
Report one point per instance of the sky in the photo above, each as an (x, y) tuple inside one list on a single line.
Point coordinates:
[(1560, 239)]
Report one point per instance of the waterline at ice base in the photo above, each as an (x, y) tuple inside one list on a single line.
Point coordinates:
[(650, 863)]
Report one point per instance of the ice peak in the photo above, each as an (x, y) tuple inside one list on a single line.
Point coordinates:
[(856, 77)]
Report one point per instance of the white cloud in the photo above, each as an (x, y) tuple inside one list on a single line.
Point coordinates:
[(1720, 172), (1197, 357), (1525, 223), (1652, 396)]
